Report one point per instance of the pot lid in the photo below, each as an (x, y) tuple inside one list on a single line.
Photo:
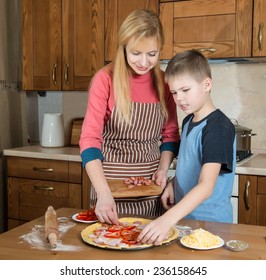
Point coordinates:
[(239, 127)]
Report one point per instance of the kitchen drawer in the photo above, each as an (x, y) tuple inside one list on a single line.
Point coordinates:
[(29, 199), (44, 169)]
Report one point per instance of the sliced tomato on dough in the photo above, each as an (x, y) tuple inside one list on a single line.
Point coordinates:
[(114, 234), (114, 228)]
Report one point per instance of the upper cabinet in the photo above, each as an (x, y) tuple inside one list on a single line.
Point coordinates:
[(219, 29), (62, 43), (115, 13), (259, 28)]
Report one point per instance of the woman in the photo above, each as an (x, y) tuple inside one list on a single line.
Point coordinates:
[(130, 127)]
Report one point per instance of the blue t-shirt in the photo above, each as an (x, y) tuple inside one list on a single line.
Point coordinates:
[(210, 140)]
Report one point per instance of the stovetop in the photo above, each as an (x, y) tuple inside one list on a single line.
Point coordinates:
[(241, 155)]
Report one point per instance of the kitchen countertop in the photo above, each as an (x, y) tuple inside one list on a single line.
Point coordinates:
[(13, 247), (61, 153), (255, 165)]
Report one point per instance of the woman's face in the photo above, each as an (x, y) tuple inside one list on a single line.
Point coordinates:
[(143, 55)]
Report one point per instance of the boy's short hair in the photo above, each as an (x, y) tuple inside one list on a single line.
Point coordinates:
[(189, 62)]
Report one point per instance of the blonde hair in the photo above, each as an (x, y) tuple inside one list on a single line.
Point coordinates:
[(139, 24)]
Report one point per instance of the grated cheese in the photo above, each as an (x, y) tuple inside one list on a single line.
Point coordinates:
[(201, 238)]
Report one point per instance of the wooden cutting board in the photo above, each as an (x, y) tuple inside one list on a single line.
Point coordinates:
[(120, 190)]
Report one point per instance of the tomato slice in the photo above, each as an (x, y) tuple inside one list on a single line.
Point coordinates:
[(114, 234), (130, 242), (129, 227), (114, 228), (87, 215)]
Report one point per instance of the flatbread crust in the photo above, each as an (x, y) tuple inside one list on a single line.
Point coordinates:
[(88, 232)]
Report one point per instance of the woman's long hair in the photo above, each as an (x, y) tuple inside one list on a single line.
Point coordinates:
[(139, 24)]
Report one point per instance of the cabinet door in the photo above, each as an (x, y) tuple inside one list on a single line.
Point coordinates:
[(219, 29), (82, 42), (259, 28), (41, 44), (115, 13), (247, 204), (261, 201), (63, 43)]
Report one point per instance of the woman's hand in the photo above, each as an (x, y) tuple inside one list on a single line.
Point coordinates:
[(167, 197), (106, 209), (160, 178)]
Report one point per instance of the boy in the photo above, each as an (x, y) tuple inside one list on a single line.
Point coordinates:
[(202, 186)]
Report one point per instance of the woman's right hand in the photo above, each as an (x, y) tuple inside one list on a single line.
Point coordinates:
[(167, 197), (106, 209)]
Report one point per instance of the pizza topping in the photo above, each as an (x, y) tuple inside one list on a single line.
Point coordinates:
[(201, 238), (137, 181), (118, 235), (87, 215)]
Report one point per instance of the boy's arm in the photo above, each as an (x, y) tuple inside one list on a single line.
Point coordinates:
[(156, 231)]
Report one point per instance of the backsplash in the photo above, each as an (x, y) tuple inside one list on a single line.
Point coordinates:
[(239, 90)]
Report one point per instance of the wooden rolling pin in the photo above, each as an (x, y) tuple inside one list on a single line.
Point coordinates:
[(51, 226)]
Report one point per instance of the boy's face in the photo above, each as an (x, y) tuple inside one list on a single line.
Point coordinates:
[(143, 55), (190, 95)]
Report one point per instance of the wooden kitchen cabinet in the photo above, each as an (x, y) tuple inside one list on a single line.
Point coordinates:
[(219, 29), (34, 184), (259, 28), (115, 13), (62, 43), (252, 200)]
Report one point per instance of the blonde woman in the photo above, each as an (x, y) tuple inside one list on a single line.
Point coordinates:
[(130, 127)]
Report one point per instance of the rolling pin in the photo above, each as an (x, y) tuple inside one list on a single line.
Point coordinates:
[(51, 227)]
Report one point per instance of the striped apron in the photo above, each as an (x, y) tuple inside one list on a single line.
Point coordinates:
[(133, 151)]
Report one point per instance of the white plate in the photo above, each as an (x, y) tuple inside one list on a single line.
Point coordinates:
[(202, 248), (74, 217)]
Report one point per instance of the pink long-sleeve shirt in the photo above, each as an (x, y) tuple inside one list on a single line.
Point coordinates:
[(101, 103)]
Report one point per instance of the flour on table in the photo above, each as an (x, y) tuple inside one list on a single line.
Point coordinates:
[(36, 238)]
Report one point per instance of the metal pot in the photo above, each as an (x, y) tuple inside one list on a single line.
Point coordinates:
[(243, 137)]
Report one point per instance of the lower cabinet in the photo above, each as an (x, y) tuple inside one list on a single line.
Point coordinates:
[(252, 200), (34, 184)]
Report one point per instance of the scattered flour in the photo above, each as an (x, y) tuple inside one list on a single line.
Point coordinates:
[(36, 238)]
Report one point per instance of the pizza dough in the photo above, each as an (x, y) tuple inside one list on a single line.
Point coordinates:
[(94, 235)]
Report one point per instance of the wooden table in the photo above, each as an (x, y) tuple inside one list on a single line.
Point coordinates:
[(12, 247)]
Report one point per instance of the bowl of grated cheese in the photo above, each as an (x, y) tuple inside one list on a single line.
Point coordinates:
[(201, 239)]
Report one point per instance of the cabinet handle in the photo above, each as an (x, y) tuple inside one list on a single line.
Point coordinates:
[(43, 169), (66, 74), (43, 188), (247, 185), (260, 33), (54, 73), (207, 50)]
